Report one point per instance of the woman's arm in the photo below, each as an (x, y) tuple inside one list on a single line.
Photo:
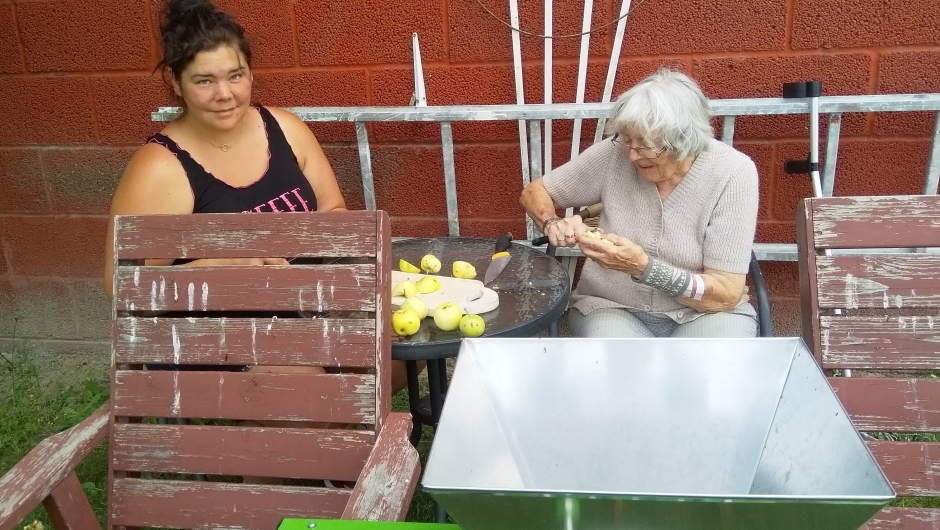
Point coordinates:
[(541, 208), (154, 182), (312, 160), (722, 290)]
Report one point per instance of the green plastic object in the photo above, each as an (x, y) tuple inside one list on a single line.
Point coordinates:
[(322, 524)]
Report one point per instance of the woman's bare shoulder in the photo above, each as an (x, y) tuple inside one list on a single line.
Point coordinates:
[(154, 181)]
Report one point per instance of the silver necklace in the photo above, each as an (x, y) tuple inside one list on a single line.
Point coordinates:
[(224, 147)]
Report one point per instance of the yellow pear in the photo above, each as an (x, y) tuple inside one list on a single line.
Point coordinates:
[(464, 270), (405, 322), (430, 264), (472, 325), (428, 284), (404, 266), (447, 316), (417, 305), (404, 288)]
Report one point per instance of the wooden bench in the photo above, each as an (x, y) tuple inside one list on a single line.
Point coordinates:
[(876, 314), (178, 442)]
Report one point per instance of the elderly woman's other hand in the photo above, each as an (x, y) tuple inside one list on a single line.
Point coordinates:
[(564, 232), (613, 252)]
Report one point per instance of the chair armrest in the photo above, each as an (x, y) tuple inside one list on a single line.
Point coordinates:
[(35, 477), (388, 480)]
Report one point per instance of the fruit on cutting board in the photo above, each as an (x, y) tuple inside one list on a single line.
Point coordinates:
[(447, 316), (417, 305), (430, 264), (428, 284), (405, 322), (472, 325), (464, 270), (404, 288), (404, 266)]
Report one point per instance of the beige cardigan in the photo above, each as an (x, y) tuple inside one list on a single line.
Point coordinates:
[(708, 221)]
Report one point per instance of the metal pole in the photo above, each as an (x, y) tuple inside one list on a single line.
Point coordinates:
[(612, 66)]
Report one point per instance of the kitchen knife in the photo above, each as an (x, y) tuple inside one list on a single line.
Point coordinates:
[(500, 258)]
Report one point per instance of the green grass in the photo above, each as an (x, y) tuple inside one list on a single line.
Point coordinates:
[(30, 412)]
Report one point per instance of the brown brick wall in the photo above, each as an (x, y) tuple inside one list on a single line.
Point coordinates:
[(76, 90)]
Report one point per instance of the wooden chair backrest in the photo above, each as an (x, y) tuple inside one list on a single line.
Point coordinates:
[(333, 315), (876, 314)]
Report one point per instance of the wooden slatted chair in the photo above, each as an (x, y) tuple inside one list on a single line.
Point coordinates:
[(875, 314), (220, 317)]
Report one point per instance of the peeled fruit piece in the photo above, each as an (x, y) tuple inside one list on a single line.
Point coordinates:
[(417, 305), (404, 266), (472, 325), (428, 284), (464, 270), (594, 234), (404, 288), (447, 316), (405, 322), (430, 264)]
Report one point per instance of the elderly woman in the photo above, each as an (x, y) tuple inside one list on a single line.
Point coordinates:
[(680, 210)]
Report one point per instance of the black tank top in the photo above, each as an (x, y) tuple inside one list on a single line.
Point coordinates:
[(282, 188)]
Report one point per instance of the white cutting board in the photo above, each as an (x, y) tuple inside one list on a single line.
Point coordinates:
[(470, 295)]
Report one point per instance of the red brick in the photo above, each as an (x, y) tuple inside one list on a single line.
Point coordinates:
[(83, 180), (124, 105), (907, 73), (92, 309), (776, 232), (870, 167), (37, 308), (21, 181), (446, 86), (345, 88), (73, 35), (785, 316), (10, 57), (763, 157), (493, 228), (407, 226), (704, 27), (476, 36), (782, 278), (367, 31), (409, 180), (489, 181), (48, 110), (848, 23), (268, 28), (69, 247), (345, 163), (756, 77)]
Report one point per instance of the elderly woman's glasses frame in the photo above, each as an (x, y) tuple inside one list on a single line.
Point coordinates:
[(643, 151)]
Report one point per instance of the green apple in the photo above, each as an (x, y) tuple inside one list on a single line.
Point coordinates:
[(404, 288), (417, 305), (447, 316), (428, 284), (472, 325), (430, 264), (462, 269), (405, 322)]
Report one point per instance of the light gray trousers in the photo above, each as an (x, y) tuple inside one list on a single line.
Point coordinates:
[(741, 322)]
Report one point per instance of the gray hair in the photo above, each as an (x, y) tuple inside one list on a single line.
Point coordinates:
[(667, 109)]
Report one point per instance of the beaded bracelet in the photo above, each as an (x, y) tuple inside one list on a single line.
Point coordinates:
[(549, 221)]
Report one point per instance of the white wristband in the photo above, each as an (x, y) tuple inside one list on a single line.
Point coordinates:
[(696, 288)]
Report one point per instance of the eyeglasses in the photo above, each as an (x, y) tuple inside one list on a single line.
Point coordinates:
[(643, 151)]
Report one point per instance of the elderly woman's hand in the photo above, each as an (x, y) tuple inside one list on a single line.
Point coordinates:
[(564, 232), (614, 252)]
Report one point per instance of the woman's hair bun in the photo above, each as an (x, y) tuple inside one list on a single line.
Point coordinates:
[(182, 12), (192, 26)]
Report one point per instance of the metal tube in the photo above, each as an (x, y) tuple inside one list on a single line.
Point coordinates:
[(814, 145), (517, 74), (420, 95), (548, 82), (612, 65), (933, 163), (833, 130), (450, 178), (727, 130), (582, 76), (535, 141), (365, 164)]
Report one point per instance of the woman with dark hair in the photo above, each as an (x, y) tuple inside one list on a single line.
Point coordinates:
[(223, 154)]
